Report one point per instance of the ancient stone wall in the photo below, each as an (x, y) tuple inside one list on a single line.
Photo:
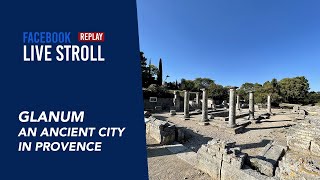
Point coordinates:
[(312, 110), (165, 103), (223, 161), (302, 161)]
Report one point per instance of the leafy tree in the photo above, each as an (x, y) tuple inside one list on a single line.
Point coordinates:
[(313, 97), (156, 91), (218, 92), (268, 88), (144, 70), (294, 90), (187, 85), (153, 70), (245, 88), (148, 72), (172, 85), (200, 83)]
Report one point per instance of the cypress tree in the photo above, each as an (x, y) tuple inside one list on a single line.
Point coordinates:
[(160, 73)]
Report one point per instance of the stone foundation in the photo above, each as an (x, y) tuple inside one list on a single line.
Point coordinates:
[(312, 110), (162, 131), (223, 161), (302, 161)]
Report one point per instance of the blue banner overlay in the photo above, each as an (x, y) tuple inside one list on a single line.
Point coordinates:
[(71, 91)]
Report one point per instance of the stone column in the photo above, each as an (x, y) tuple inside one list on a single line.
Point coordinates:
[(204, 105), (186, 104), (213, 105), (198, 99), (176, 100), (269, 104), (232, 107), (238, 102), (251, 105)]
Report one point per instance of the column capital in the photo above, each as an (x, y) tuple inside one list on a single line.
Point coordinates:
[(203, 89), (233, 87)]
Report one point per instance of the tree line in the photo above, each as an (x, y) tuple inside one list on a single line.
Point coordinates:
[(151, 74), (287, 90)]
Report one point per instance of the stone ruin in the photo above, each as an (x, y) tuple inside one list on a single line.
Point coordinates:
[(299, 113), (302, 161), (312, 110), (214, 156), (225, 161), (163, 132), (268, 159)]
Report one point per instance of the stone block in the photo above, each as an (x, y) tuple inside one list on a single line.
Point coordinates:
[(214, 148), (262, 166), (227, 158), (274, 153), (210, 167), (212, 152), (203, 149), (235, 130), (301, 114), (173, 112), (238, 162), (296, 144), (296, 109), (204, 123), (229, 172), (315, 147), (161, 131), (180, 136)]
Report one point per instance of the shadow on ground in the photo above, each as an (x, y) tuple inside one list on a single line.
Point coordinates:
[(272, 127), (262, 143)]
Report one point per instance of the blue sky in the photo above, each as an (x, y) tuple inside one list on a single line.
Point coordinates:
[(232, 41)]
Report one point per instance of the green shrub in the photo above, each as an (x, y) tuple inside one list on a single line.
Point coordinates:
[(157, 91)]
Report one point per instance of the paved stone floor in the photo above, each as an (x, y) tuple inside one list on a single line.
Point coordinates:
[(164, 165)]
